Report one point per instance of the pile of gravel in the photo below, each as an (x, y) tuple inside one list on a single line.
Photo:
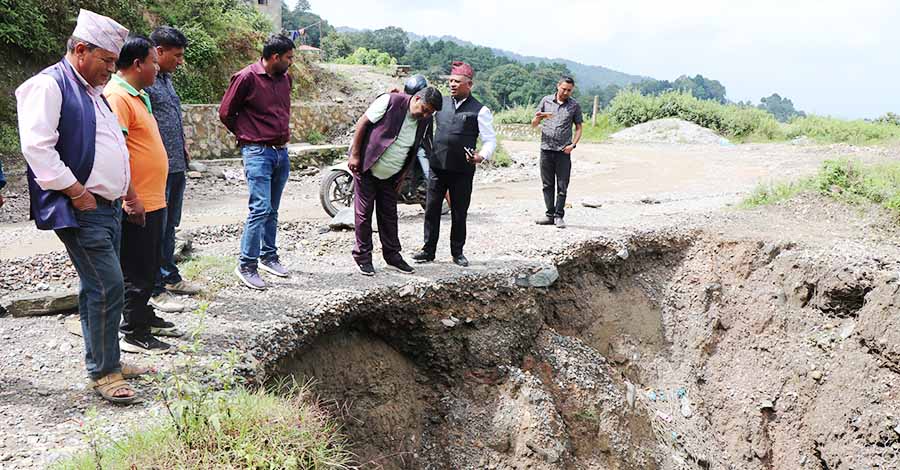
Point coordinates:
[(669, 131)]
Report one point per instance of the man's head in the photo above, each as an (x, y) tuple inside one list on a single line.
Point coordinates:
[(94, 47), (564, 88), (425, 103), (170, 46), (138, 62), (278, 53), (461, 79)]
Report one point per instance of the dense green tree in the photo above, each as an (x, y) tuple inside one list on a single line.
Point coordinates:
[(782, 108), (315, 28)]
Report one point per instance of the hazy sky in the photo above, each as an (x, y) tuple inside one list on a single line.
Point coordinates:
[(834, 57)]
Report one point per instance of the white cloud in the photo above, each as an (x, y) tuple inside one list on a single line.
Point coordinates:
[(776, 45)]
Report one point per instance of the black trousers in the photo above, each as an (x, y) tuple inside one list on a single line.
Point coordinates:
[(140, 256), (556, 168), (460, 186)]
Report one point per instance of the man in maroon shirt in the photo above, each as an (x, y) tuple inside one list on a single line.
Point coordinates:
[(256, 108)]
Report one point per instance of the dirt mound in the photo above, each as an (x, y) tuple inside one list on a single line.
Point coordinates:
[(669, 131)]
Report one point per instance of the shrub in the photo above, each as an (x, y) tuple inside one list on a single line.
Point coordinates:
[(515, 115), (831, 130), (315, 137), (363, 56)]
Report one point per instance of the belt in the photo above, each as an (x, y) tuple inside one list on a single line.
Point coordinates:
[(265, 144), (103, 201)]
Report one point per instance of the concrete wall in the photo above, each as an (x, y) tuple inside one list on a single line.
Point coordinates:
[(270, 8), (208, 138)]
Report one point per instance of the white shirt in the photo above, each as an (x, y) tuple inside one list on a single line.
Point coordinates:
[(485, 130), (395, 155), (39, 104)]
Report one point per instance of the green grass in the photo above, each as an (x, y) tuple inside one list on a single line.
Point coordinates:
[(745, 123), (213, 272), (844, 180), (515, 115), (599, 133), (243, 429), (501, 156)]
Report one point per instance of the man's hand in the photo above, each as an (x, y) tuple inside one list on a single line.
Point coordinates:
[(473, 157), (80, 197), (568, 149), (355, 163), (542, 115), (135, 211)]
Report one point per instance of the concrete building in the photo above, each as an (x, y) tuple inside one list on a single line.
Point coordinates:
[(270, 8)]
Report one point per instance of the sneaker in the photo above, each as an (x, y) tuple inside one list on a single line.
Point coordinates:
[(461, 260), (366, 269), (544, 221), (559, 222), (160, 327), (250, 277), (423, 257), (166, 302), (183, 287), (402, 266), (272, 266), (145, 344)]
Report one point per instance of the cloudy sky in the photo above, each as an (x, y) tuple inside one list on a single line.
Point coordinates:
[(832, 57)]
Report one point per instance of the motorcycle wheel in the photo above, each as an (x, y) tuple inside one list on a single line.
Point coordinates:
[(336, 191)]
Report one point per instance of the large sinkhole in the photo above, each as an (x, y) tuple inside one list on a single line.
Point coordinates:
[(690, 354)]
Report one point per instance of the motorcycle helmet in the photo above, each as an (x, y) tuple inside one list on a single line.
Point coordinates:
[(414, 84)]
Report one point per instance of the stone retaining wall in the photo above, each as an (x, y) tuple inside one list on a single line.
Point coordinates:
[(208, 138), (518, 131)]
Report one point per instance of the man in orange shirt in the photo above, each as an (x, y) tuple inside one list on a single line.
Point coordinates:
[(141, 236)]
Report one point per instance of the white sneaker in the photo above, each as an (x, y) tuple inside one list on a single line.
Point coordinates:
[(166, 302), (559, 222)]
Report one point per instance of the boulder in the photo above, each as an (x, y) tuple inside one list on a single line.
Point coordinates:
[(45, 303), (194, 165), (546, 277), (343, 220)]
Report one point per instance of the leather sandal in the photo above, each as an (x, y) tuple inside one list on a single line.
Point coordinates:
[(109, 385)]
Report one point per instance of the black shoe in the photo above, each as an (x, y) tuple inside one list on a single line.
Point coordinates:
[(461, 260), (423, 257), (402, 266), (160, 327), (366, 269), (145, 344), (544, 221)]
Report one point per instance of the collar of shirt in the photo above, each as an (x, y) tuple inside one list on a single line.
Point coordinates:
[(131, 91), (95, 91), (458, 103)]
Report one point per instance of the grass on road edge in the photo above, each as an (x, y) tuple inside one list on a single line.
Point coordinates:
[(844, 180)]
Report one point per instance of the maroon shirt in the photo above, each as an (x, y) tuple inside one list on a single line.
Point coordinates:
[(256, 107)]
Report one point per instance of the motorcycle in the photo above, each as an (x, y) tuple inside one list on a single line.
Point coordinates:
[(336, 189)]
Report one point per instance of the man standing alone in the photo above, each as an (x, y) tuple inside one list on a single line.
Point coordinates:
[(170, 45), (384, 148), (459, 124), (256, 108), (556, 114)]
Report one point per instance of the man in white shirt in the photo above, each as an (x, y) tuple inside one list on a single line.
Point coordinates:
[(78, 173), (459, 125)]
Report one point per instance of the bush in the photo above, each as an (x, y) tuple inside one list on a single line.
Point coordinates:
[(630, 108), (363, 56), (831, 130), (515, 115)]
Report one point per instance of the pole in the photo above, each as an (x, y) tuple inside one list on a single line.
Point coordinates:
[(596, 106)]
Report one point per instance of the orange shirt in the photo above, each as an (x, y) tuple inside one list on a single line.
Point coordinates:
[(149, 161)]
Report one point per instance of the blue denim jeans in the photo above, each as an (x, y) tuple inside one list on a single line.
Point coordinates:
[(267, 170), (168, 270), (94, 251)]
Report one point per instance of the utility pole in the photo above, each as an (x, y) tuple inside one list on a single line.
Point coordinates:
[(596, 106)]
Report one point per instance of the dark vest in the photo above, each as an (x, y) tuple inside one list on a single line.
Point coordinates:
[(456, 130), (383, 134), (52, 210)]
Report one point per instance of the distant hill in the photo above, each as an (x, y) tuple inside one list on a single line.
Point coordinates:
[(588, 76)]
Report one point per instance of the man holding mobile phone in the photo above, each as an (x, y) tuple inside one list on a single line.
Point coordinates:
[(460, 122), (556, 114)]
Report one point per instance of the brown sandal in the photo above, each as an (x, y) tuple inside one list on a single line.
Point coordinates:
[(133, 371), (108, 386)]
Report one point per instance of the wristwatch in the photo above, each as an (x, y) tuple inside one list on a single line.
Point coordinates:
[(574, 145)]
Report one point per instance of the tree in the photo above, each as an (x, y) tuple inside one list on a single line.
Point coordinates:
[(336, 45), (701, 87), (315, 28), (392, 40), (781, 108)]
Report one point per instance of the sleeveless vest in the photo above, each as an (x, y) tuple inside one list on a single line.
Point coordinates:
[(456, 130), (52, 210)]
